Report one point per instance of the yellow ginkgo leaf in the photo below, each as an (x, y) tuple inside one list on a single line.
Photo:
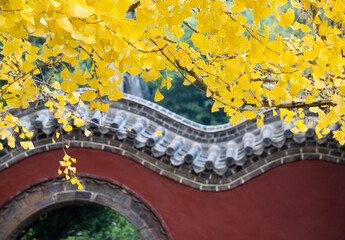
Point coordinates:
[(158, 96), (294, 89), (305, 28), (73, 181), (78, 122), (68, 128), (338, 136), (56, 85), (249, 114), (63, 164), (309, 99), (259, 122), (79, 10), (65, 24), (295, 4), (69, 51), (27, 145), (294, 130), (29, 134), (87, 133), (214, 109), (286, 19), (317, 19), (55, 3), (115, 95), (88, 95), (168, 79), (68, 86), (4, 133), (303, 128), (104, 107), (11, 142), (65, 74), (325, 131)]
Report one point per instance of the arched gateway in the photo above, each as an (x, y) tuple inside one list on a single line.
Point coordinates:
[(190, 182)]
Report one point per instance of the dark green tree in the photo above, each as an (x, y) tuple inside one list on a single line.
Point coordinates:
[(188, 102), (79, 222)]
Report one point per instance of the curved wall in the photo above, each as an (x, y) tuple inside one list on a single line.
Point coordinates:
[(299, 200)]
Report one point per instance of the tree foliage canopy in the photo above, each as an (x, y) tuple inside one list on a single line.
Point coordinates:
[(243, 65), (78, 222)]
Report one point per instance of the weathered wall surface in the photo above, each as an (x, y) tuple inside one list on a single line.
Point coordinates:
[(298, 200)]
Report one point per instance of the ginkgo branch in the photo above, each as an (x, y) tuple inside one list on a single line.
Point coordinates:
[(144, 51), (46, 64), (133, 6), (249, 31), (214, 95), (196, 76), (192, 72), (225, 55), (302, 104), (90, 22), (190, 27), (265, 79), (10, 10), (94, 69)]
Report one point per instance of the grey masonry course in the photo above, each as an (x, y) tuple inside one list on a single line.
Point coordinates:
[(209, 158)]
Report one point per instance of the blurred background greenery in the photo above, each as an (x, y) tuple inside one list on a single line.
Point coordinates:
[(81, 222)]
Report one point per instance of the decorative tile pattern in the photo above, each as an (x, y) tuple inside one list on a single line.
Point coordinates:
[(210, 158)]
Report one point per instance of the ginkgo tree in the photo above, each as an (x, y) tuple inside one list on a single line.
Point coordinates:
[(243, 65)]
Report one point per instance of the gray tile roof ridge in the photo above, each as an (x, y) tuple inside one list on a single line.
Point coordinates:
[(150, 128), (177, 117)]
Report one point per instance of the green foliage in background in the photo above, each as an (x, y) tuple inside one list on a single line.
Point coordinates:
[(81, 222), (188, 102)]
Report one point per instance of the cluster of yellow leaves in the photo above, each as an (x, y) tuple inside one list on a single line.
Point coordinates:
[(10, 129), (68, 170), (240, 64)]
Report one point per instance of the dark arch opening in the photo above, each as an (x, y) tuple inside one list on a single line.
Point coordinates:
[(80, 221), (24, 208)]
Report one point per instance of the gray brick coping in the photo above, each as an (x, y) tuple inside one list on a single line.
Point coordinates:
[(234, 176)]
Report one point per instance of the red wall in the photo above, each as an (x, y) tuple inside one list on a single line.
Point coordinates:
[(301, 200)]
